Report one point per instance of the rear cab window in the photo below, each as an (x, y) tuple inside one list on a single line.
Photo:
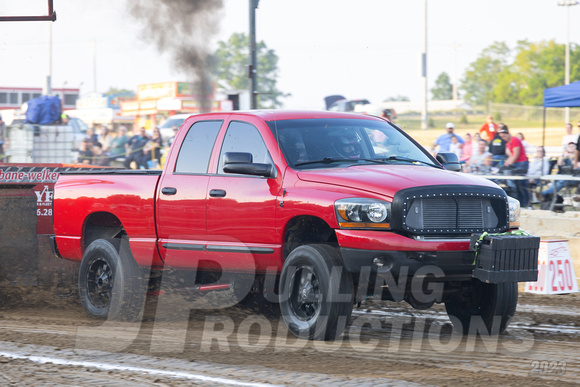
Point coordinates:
[(197, 146)]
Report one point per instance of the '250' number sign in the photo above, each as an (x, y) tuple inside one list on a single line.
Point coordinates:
[(555, 270), (560, 275)]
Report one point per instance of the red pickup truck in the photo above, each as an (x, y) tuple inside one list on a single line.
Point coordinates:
[(339, 206)]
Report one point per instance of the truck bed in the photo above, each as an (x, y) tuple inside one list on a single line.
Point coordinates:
[(89, 199)]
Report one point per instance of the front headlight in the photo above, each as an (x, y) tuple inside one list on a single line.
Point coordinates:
[(363, 213), (514, 208)]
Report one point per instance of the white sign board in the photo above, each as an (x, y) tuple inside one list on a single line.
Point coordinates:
[(555, 270)]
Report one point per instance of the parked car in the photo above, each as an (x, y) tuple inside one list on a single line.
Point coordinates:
[(79, 129), (347, 105), (338, 103), (167, 128)]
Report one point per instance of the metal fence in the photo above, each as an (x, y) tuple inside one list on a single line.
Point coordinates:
[(532, 113)]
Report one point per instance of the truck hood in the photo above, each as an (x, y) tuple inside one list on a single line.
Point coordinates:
[(388, 179)]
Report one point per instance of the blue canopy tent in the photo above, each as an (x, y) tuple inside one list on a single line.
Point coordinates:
[(561, 96)]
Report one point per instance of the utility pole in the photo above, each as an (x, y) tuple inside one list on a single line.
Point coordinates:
[(253, 70), (62, 91), (48, 86), (567, 4), (424, 112), (94, 66), (454, 48)]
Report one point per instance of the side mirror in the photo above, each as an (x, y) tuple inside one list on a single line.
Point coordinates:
[(237, 158), (241, 162), (449, 160)]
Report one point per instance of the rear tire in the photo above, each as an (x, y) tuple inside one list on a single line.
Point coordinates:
[(489, 306), (111, 284), (316, 293)]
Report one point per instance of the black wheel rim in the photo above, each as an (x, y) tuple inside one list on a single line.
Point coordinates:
[(473, 304), (100, 283), (305, 293)]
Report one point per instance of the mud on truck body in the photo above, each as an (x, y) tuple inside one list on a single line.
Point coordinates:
[(338, 207)]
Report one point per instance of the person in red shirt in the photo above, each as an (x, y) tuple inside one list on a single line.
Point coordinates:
[(518, 160), (517, 152), (488, 130)]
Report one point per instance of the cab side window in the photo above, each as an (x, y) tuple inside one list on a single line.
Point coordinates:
[(244, 137), (197, 146)]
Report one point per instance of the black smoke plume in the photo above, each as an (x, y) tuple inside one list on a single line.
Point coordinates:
[(183, 28)]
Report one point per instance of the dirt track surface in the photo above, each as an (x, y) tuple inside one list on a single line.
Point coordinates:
[(48, 341)]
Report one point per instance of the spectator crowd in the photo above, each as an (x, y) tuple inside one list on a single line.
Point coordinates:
[(133, 151), (494, 150)]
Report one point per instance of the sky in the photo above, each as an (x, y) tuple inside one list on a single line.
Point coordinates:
[(360, 49)]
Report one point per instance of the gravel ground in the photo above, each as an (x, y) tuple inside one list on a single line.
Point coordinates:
[(49, 342)]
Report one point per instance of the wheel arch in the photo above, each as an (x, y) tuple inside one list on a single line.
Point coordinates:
[(101, 225), (307, 229)]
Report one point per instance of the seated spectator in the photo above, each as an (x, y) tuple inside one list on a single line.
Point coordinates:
[(105, 138), (539, 164), (117, 144), (467, 149), (576, 164), (134, 148), (99, 157), (85, 152), (565, 165), (480, 160), (92, 136), (456, 146), (568, 137), (498, 149), (488, 129), (152, 150), (64, 119)]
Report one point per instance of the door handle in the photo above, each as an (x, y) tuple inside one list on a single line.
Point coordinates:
[(217, 193), (168, 191)]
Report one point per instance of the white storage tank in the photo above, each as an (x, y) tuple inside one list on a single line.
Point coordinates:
[(31, 143)]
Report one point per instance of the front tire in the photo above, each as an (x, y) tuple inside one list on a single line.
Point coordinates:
[(484, 306), (111, 284), (316, 293)]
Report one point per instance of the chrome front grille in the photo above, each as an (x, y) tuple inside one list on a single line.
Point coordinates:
[(471, 213), (438, 213), (448, 213)]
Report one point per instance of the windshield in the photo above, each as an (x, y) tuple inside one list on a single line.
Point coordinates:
[(320, 143)]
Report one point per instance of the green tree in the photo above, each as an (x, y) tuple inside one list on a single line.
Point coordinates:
[(443, 88), (231, 69), (496, 76), (397, 98), (481, 76), (114, 90), (536, 66)]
